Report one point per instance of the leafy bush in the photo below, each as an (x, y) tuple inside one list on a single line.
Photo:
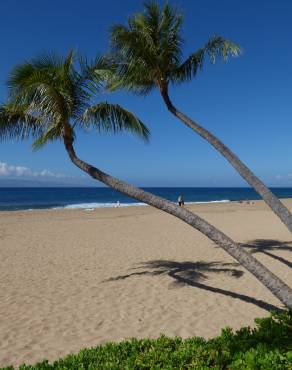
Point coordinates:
[(268, 346)]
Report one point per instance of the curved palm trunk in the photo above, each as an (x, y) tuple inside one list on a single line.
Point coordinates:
[(272, 201), (266, 277)]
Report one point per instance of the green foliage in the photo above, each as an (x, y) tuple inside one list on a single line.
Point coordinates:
[(113, 118), (149, 50), (268, 346), (49, 93)]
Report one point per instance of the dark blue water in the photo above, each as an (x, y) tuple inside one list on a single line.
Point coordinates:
[(12, 199)]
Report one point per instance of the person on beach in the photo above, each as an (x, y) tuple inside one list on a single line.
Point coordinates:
[(181, 201)]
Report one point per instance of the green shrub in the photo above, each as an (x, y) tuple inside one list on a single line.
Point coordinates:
[(268, 346)]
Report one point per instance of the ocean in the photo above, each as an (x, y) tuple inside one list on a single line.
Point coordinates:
[(13, 199)]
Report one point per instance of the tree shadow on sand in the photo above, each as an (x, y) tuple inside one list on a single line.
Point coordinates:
[(265, 246), (192, 274)]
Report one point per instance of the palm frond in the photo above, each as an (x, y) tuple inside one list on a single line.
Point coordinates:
[(53, 132), (48, 93), (94, 74), (148, 49), (17, 122), (20, 75), (135, 65), (44, 98), (216, 47), (45, 84), (68, 62), (113, 118)]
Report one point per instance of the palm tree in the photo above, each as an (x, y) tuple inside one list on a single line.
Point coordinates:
[(49, 99), (148, 54)]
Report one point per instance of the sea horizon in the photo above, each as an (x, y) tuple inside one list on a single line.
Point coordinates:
[(30, 198)]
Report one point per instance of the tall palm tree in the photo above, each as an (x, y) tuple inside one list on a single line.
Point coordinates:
[(49, 99), (148, 54)]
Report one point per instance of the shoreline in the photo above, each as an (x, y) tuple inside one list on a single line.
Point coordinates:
[(94, 206)]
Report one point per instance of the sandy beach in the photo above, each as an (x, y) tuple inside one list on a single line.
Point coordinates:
[(71, 278)]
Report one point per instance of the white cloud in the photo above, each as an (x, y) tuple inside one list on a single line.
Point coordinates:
[(22, 171)]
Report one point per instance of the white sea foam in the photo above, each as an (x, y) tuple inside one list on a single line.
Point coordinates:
[(117, 205), (210, 201), (101, 205)]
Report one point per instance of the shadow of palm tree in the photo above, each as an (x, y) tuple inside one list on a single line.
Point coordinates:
[(265, 246), (192, 274)]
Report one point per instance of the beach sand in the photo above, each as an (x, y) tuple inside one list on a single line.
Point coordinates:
[(71, 279)]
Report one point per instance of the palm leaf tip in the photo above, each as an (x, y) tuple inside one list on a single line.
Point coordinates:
[(217, 46), (113, 118), (52, 133), (17, 123)]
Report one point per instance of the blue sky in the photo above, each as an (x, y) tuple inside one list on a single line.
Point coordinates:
[(246, 101)]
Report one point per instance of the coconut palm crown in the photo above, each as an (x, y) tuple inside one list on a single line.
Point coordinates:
[(149, 50), (51, 95), (148, 54)]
